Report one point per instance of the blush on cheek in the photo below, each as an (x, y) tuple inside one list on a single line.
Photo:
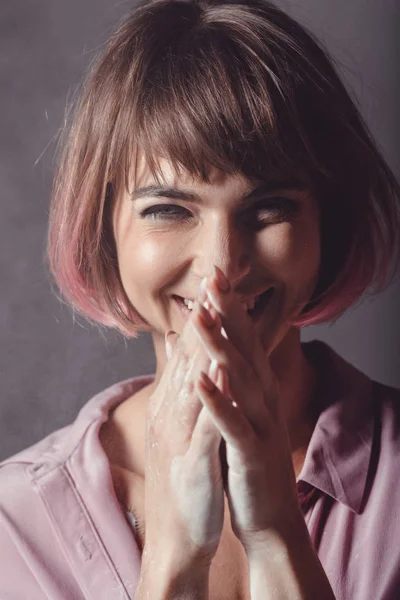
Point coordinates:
[(147, 265), (153, 254)]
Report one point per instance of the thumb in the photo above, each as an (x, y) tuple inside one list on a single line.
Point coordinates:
[(171, 338)]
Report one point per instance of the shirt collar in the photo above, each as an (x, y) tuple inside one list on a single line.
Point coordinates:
[(339, 452)]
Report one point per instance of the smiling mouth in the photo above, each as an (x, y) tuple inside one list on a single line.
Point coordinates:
[(255, 313)]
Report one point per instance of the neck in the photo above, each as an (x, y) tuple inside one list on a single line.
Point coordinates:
[(296, 377), (298, 383)]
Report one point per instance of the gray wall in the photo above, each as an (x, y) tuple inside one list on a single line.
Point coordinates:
[(51, 363)]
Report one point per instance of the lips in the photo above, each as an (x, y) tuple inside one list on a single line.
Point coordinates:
[(255, 313), (181, 304)]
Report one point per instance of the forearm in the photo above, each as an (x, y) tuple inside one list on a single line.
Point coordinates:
[(169, 578), (286, 567)]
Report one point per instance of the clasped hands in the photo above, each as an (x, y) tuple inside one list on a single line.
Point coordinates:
[(242, 396)]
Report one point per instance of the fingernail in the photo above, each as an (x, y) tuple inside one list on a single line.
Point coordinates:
[(206, 381), (214, 314), (221, 280), (202, 294), (168, 346), (205, 315), (213, 370)]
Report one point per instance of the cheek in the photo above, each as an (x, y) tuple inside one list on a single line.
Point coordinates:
[(145, 261), (292, 250)]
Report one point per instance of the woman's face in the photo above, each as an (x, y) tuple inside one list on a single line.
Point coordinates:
[(168, 239)]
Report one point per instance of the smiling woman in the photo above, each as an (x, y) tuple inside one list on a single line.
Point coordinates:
[(210, 164)]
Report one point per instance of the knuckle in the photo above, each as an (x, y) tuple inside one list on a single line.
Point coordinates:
[(182, 352), (188, 388)]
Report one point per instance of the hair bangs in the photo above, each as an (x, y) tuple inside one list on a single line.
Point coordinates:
[(213, 103)]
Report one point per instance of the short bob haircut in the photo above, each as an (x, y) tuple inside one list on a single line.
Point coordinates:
[(237, 85)]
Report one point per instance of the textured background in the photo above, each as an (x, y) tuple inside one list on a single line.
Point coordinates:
[(51, 363)]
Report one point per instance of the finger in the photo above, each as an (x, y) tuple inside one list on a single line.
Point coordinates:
[(213, 371), (171, 338), (220, 350), (217, 378), (175, 394), (206, 437), (234, 318), (224, 385), (223, 353), (240, 329), (175, 370), (230, 420), (176, 409), (187, 406), (189, 344), (222, 382), (187, 337)]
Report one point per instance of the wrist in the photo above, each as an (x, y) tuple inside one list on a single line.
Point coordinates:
[(284, 560), (290, 532), (170, 575)]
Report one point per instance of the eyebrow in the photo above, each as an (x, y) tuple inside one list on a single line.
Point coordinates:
[(259, 191)]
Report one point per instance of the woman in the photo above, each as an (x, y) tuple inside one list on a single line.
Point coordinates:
[(219, 189)]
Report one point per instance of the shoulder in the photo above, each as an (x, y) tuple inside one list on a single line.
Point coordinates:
[(387, 397), (18, 495), (28, 542), (20, 473), (383, 466), (350, 393), (357, 436), (43, 516), (25, 532)]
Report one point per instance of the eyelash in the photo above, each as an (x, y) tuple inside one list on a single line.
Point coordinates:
[(282, 209), (163, 209)]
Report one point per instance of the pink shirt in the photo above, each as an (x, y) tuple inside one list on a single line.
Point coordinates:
[(64, 536)]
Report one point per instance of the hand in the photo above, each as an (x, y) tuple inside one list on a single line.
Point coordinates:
[(261, 485), (184, 500)]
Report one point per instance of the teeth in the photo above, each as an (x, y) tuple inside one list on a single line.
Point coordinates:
[(250, 304), (189, 303)]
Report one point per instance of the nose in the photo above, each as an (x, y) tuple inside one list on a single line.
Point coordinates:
[(224, 244)]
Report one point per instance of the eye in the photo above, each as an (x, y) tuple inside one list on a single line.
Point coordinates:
[(274, 210), (165, 212)]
